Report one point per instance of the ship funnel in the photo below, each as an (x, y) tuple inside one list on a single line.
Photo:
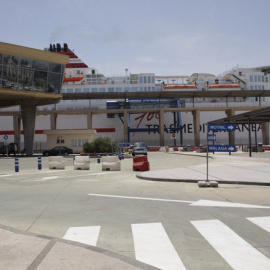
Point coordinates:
[(65, 47)]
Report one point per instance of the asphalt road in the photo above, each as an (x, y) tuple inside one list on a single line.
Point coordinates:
[(142, 219)]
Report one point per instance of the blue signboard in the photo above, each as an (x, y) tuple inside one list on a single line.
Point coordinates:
[(5, 137), (221, 148), (211, 137), (221, 127), (121, 145)]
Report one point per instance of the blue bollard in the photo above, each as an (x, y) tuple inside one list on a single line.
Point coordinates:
[(123, 156), (73, 159), (39, 163), (114, 154), (119, 155), (107, 154), (98, 158), (16, 165)]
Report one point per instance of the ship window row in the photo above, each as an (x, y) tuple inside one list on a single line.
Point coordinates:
[(256, 78), (257, 87), (23, 73), (109, 89), (132, 79)]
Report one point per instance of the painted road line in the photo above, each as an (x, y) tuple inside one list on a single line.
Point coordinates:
[(153, 246), (226, 204), (263, 222), (137, 198), (101, 173), (192, 203), (4, 175), (40, 180), (238, 253), (85, 235), (50, 177)]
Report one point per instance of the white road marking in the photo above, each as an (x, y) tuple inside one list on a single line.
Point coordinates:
[(236, 251), (226, 204), (137, 198), (198, 203), (153, 246), (4, 175), (50, 177), (101, 173), (263, 222), (85, 235), (40, 180)]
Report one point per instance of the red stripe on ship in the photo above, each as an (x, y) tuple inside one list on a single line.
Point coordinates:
[(41, 131)]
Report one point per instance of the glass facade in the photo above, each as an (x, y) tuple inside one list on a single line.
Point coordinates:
[(22, 73)]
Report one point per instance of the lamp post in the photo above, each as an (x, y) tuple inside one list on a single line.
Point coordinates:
[(126, 70)]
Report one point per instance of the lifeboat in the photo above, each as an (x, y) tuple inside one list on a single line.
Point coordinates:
[(72, 79)]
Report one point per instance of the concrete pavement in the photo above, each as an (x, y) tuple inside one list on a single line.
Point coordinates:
[(20, 250), (237, 168), (23, 250)]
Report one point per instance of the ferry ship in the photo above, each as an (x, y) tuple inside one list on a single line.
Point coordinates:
[(80, 78)]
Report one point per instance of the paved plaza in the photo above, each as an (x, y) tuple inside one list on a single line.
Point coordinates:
[(159, 219)]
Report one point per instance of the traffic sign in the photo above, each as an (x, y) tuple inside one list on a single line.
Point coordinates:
[(221, 148), (121, 145), (221, 127), (5, 137), (173, 135), (211, 137)]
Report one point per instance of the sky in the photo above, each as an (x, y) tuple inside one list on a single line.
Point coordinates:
[(165, 37)]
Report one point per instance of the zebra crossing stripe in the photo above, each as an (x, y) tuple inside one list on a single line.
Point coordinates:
[(153, 246), (85, 235), (236, 251), (263, 222)]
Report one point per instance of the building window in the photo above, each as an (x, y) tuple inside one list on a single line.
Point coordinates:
[(127, 89), (94, 90), (118, 89), (145, 79), (86, 90), (22, 73), (78, 90), (141, 89), (70, 90), (255, 78), (111, 89), (78, 142), (251, 78), (102, 90), (259, 78), (251, 87), (134, 89), (141, 79)]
